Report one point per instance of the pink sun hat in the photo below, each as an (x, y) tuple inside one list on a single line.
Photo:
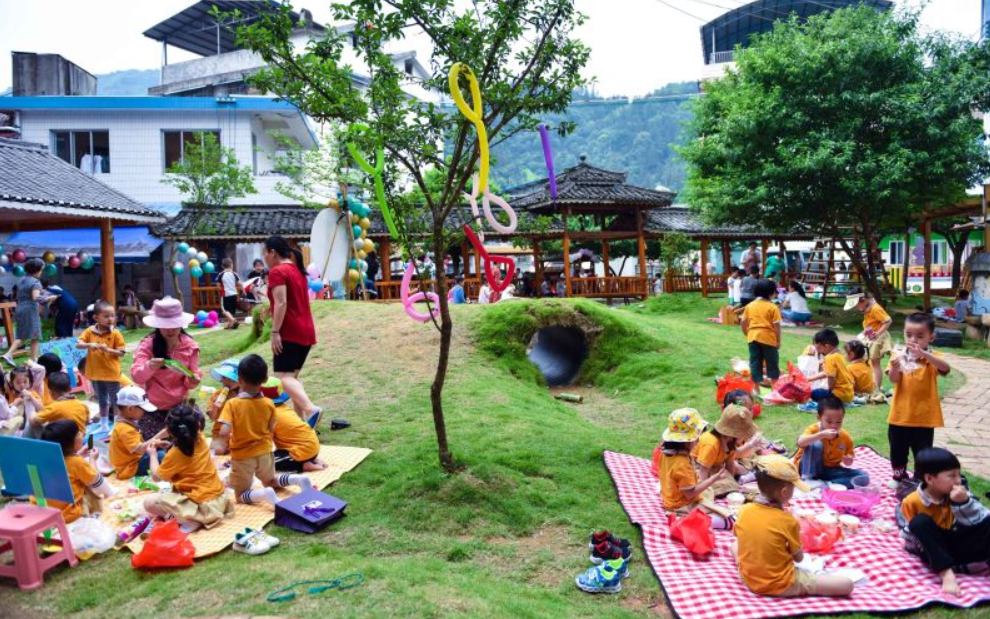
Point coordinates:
[(167, 314)]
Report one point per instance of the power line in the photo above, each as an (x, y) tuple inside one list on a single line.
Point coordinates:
[(680, 10)]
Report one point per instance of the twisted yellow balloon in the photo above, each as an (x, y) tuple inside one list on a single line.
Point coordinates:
[(475, 115)]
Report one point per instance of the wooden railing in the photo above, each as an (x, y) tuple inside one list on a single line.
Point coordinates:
[(390, 291), (692, 283), (205, 298), (609, 287)]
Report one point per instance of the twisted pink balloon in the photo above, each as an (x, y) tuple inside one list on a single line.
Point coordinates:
[(408, 300)]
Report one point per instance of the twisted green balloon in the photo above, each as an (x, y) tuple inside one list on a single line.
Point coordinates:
[(376, 172)]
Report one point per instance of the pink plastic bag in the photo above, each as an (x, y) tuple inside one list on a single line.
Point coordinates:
[(852, 502)]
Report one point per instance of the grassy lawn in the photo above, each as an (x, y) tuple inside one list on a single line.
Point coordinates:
[(506, 536)]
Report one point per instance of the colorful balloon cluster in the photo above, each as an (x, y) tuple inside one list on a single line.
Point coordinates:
[(360, 223), (18, 257), (199, 262), (207, 320), (316, 284)]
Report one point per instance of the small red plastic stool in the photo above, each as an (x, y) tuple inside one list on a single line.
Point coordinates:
[(21, 529)]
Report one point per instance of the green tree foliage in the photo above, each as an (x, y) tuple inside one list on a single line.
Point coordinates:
[(850, 121), (527, 63)]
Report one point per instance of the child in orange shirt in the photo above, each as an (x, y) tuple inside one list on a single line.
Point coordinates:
[(127, 451), (106, 346), (859, 369), (297, 446), (915, 410), (768, 538), (248, 423), (64, 406), (680, 489), (88, 486), (226, 375), (761, 325), (876, 330), (840, 382), (825, 449), (715, 451)]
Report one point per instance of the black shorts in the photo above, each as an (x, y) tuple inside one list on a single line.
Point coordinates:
[(291, 359), (230, 304), (285, 464)]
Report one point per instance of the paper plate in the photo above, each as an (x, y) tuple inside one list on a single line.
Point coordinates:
[(329, 245)]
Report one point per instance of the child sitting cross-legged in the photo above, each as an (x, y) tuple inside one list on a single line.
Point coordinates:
[(65, 405), (248, 424), (297, 446), (840, 382), (825, 449), (768, 538), (941, 520), (859, 369), (680, 488), (128, 453), (198, 497), (226, 375), (88, 486), (716, 449)]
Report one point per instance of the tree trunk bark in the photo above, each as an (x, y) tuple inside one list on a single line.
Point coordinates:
[(446, 330), (869, 279)]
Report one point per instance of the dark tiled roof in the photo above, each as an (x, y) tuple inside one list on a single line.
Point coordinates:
[(683, 219), (31, 174), (586, 184)]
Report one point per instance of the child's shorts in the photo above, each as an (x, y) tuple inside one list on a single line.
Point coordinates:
[(804, 585), (208, 513), (243, 471), (284, 463), (880, 347)]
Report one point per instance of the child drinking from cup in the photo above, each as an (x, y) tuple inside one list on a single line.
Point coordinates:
[(825, 449)]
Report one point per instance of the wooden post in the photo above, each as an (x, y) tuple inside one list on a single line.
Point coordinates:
[(642, 253), (927, 229), (764, 246), (567, 256), (385, 258), (477, 265), (704, 268), (783, 256), (107, 266), (986, 222), (605, 259), (726, 258), (538, 266)]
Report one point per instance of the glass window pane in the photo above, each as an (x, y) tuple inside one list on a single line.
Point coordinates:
[(173, 148), (82, 151), (101, 149), (62, 146)]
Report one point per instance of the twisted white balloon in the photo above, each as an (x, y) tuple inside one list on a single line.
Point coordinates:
[(486, 201)]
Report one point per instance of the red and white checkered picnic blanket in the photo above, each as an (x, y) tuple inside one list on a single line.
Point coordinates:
[(711, 588)]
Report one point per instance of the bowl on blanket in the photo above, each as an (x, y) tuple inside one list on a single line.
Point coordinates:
[(850, 502)]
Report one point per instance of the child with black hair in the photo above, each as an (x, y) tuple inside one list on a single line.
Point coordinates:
[(297, 447), (21, 404), (840, 381), (761, 325), (716, 449), (876, 330), (747, 287), (47, 364), (825, 449), (88, 486), (768, 538), (105, 346), (962, 307), (248, 425), (64, 406), (915, 410), (198, 497), (128, 453), (941, 520), (859, 369)]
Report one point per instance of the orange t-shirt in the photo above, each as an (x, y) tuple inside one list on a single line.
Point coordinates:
[(676, 472), (710, 452), (941, 513), (835, 367), (833, 449), (875, 317), (124, 439), (250, 419), (71, 409), (294, 435), (194, 476), (915, 403), (862, 375), (101, 365), (81, 475), (767, 537), (761, 316)]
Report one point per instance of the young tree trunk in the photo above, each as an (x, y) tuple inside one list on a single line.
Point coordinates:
[(446, 330), (957, 245), (869, 278)]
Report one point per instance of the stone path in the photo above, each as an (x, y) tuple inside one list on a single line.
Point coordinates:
[(967, 416)]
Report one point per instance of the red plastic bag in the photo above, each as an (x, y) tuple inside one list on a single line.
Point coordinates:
[(794, 387), (167, 546), (694, 531), (731, 382), (819, 538)]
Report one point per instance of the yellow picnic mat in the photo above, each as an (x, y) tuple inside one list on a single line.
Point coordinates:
[(211, 541)]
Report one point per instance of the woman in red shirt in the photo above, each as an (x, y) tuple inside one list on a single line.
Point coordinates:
[(293, 331)]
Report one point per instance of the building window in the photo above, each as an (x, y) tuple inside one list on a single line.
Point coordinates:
[(940, 252), (176, 143), (87, 150), (896, 254)]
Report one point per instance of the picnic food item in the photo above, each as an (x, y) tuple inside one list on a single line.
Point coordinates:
[(821, 534), (849, 523)]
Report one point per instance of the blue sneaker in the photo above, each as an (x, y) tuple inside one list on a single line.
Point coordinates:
[(604, 578), (808, 407)]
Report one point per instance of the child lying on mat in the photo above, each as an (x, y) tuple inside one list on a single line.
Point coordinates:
[(680, 489), (941, 520), (768, 538), (296, 443), (825, 449), (198, 497), (88, 486), (716, 449)]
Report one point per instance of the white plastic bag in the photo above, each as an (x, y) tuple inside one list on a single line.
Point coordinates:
[(810, 366), (90, 536)]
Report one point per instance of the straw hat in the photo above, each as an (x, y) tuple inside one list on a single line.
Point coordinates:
[(736, 421), (782, 468), (684, 425), (167, 314), (852, 301)]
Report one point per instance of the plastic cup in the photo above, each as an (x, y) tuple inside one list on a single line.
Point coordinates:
[(861, 483), (849, 523)]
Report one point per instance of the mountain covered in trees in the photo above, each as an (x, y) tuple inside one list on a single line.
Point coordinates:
[(637, 136)]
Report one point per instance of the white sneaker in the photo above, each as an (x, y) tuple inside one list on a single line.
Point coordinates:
[(250, 543), (271, 540)]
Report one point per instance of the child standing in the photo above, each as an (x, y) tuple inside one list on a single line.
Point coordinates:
[(229, 281), (680, 489), (226, 375), (297, 447), (915, 410), (248, 422), (64, 406), (730, 284), (859, 369), (716, 449), (88, 486), (747, 287), (761, 325), (768, 538), (106, 346), (128, 453), (942, 517), (876, 330), (198, 498), (840, 381), (825, 449)]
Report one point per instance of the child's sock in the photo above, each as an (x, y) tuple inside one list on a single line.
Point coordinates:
[(104, 423), (722, 524), (250, 497), (900, 474), (287, 479)]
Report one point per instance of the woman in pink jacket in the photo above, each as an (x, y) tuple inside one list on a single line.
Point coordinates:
[(166, 387)]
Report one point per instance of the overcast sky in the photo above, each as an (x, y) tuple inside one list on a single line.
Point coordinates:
[(637, 45)]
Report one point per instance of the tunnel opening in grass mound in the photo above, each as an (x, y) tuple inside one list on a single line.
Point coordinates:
[(558, 352)]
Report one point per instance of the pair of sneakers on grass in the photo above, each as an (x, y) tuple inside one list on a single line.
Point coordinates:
[(610, 555)]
